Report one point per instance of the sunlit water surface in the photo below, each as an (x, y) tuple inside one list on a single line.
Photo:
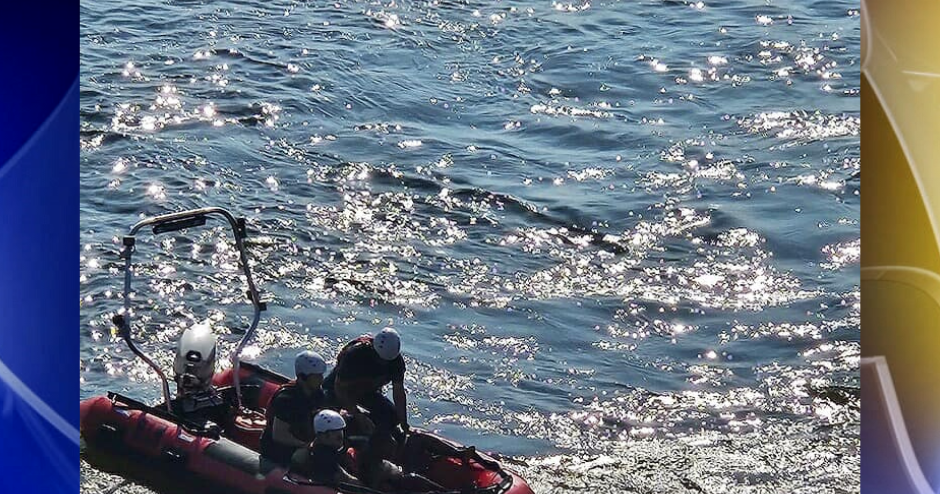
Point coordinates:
[(620, 239)]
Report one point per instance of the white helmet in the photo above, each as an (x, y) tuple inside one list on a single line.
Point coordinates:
[(328, 420), (307, 363), (387, 344), (194, 365)]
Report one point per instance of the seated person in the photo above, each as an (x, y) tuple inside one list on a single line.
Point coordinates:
[(325, 460), (197, 400), (377, 472), (289, 416), (420, 447)]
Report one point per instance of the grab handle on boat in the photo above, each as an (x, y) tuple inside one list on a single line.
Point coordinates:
[(175, 222), (180, 224)]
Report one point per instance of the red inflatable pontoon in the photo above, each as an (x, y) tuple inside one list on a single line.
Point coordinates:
[(163, 443)]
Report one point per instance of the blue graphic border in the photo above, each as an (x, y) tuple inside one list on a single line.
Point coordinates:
[(39, 222)]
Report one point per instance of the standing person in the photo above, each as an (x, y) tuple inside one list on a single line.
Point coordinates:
[(363, 367), (289, 424)]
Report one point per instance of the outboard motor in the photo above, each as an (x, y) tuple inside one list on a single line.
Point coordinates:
[(193, 369), (194, 365)]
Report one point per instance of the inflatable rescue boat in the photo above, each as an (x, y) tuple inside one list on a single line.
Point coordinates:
[(155, 443)]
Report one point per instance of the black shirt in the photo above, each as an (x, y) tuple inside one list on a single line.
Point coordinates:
[(320, 463), (358, 359), (292, 405)]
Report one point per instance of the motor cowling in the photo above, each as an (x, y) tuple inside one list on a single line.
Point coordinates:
[(194, 365)]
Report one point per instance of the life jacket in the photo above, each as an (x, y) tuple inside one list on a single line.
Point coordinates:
[(362, 340), (268, 413)]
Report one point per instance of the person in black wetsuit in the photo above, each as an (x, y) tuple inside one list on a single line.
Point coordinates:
[(377, 472), (363, 367), (289, 424), (325, 460)]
